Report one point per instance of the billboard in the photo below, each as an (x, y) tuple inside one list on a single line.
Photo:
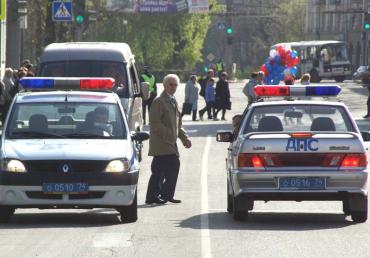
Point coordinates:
[(158, 6)]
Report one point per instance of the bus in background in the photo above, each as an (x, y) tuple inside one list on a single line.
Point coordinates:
[(321, 59)]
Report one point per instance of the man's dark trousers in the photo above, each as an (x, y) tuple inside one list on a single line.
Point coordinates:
[(163, 167)]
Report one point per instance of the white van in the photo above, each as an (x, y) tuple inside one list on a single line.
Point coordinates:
[(99, 59)]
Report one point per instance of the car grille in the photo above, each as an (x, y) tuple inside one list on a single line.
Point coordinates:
[(42, 195), (66, 166)]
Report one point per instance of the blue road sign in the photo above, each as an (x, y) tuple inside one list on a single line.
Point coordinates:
[(221, 25), (62, 11)]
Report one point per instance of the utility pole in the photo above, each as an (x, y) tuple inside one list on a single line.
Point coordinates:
[(365, 40), (228, 56), (13, 37)]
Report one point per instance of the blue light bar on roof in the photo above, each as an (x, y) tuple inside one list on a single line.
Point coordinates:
[(332, 90), (37, 83)]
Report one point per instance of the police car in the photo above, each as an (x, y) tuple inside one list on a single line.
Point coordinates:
[(69, 147), (296, 150)]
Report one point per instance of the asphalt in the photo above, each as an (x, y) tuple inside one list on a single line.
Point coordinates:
[(200, 225)]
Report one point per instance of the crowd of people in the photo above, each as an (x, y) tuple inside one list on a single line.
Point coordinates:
[(9, 85), (216, 95)]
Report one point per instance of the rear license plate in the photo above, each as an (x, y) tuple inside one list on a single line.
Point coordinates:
[(60, 188), (302, 183), (338, 69)]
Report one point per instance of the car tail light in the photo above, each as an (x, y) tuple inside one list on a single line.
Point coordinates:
[(249, 160), (354, 160)]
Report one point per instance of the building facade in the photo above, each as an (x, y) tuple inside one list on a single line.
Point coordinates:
[(339, 20)]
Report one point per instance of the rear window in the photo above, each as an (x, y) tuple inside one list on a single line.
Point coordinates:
[(298, 118)]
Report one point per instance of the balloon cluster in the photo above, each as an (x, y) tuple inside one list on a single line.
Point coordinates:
[(279, 65)]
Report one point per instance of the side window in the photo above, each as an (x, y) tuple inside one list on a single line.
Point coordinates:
[(135, 79)]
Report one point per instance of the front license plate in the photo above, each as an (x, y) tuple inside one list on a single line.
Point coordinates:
[(60, 188), (302, 183)]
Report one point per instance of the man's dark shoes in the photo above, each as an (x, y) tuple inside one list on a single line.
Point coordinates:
[(173, 200), (366, 116), (155, 200)]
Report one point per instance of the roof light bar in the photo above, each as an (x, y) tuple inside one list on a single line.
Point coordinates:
[(44, 83), (297, 90)]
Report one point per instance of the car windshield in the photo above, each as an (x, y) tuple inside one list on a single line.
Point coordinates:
[(66, 120), (87, 68), (298, 118)]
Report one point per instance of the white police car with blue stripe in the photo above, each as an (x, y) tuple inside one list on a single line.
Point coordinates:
[(68, 147), (296, 150)]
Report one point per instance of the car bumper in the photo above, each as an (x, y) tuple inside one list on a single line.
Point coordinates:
[(105, 190), (265, 186)]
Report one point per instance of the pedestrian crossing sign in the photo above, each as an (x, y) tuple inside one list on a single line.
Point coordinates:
[(62, 11), (2, 9)]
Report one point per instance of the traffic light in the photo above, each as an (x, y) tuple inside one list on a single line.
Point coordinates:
[(366, 21), (229, 40), (229, 30), (80, 14), (15, 9)]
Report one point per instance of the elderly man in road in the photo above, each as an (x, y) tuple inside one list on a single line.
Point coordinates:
[(165, 128)]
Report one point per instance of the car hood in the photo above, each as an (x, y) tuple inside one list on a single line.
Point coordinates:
[(64, 149)]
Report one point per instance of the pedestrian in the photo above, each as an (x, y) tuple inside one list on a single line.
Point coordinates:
[(289, 80), (8, 79), (4, 102), (222, 95), (191, 95), (211, 99), (305, 79), (165, 128), (220, 68), (203, 84), (148, 77), (248, 90), (368, 103)]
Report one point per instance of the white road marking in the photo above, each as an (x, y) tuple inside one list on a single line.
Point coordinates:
[(204, 221), (109, 240), (192, 131)]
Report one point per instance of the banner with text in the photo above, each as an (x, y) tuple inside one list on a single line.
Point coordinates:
[(158, 6)]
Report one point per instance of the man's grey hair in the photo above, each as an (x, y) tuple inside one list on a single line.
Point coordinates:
[(171, 76)]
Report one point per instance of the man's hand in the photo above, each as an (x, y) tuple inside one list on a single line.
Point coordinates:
[(187, 143)]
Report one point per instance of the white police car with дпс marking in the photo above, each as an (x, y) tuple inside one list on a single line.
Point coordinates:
[(68, 149), (296, 150)]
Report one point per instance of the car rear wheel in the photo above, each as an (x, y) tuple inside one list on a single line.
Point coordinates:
[(346, 209), (339, 78), (6, 213), (129, 213), (239, 213), (229, 200), (359, 209)]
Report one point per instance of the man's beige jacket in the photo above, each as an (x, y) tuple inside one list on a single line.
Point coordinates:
[(165, 127)]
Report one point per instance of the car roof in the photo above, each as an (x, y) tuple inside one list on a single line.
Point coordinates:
[(77, 51), (72, 96), (298, 102)]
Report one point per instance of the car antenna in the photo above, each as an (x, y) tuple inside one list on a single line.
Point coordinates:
[(66, 98)]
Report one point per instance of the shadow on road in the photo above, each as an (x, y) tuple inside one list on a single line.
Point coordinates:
[(94, 218), (360, 90), (271, 221), (206, 129)]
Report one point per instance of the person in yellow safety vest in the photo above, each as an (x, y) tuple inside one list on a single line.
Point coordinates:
[(148, 77), (220, 68)]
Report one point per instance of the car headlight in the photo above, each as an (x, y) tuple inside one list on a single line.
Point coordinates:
[(14, 165), (117, 166)]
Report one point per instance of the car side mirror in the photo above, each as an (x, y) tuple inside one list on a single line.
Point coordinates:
[(365, 136), (224, 136), (140, 136), (145, 90)]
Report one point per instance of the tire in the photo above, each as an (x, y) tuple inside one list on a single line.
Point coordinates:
[(315, 76), (339, 78), (360, 215), (6, 214), (239, 214), (129, 213), (346, 209), (229, 200)]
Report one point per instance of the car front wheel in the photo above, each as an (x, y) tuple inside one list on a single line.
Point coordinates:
[(129, 213)]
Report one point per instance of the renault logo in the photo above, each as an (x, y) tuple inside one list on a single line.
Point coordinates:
[(65, 168)]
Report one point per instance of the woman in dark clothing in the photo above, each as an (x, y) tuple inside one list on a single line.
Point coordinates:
[(222, 95)]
